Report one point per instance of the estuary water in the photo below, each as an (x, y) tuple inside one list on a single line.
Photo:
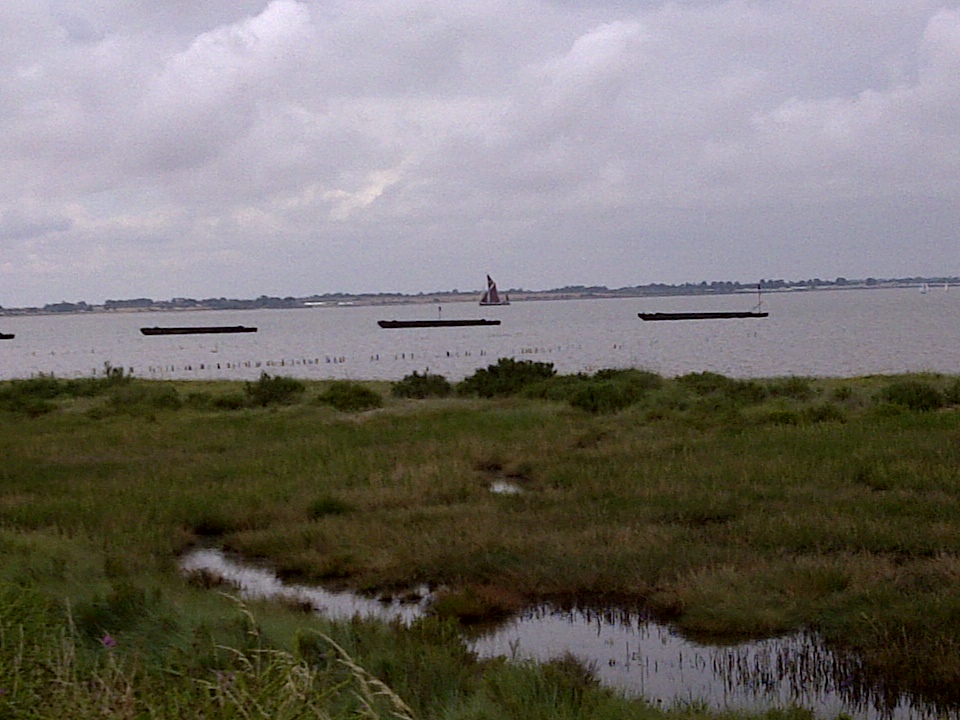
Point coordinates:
[(808, 333)]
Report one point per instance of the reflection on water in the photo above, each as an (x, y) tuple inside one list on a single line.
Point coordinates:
[(626, 650), (254, 582)]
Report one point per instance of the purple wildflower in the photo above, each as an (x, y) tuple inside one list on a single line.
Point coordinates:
[(108, 641)]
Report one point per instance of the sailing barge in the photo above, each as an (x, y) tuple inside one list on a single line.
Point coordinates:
[(491, 296), (197, 330), (434, 323), (757, 312), (707, 315)]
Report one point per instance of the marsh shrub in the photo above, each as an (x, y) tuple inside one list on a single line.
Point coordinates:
[(825, 412), (349, 396), (915, 395), (232, 401), (507, 377), (143, 397), (843, 393), (34, 396), (952, 394), (746, 391), (613, 390), (30, 397), (797, 388), (559, 388), (420, 386), (276, 389), (209, 401), (782, 417), (703, 383), (199, 400), (741, 392), (29, 406), (602, 396), (640, 378), (44, 387)]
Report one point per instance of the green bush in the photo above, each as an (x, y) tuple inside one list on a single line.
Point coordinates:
[(797, 388), (232, 401), (713, 384), (209, 401), (44, 387), (826, 412), (559, 388), (915, 395), (843, 393), (420, 386), (613, 390), (270, 390), (952, 394), (348, 396), (601, 397), (507, 377), (31, 397), (34, 396), (782, 417)]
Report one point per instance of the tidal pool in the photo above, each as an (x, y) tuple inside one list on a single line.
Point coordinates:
[(627, 651)]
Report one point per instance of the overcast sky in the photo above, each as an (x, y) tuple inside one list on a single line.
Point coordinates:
[(208, 148)]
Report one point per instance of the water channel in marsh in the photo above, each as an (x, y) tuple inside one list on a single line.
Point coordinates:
[(626, 651)]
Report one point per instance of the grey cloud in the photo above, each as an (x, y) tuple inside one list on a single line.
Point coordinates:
[(19, 226), (285, 146)]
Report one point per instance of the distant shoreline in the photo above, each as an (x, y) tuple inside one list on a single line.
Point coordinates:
[(146, 305)]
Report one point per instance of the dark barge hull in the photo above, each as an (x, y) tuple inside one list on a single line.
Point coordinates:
[(718, 314), (197, 330), (433, 323)]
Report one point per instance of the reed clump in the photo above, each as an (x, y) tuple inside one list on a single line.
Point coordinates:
[(232, 665)]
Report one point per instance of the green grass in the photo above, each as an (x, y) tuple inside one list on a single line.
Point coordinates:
[(734, 509)]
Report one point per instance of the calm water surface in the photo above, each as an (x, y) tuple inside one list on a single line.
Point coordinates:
[(811, 333), (629, 652)]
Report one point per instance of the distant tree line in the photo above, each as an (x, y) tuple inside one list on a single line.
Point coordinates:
[(652, 289), (208, 303)]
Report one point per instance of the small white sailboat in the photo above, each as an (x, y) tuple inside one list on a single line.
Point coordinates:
[(491, 296)]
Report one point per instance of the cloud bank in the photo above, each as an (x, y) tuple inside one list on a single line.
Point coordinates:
[(291, 147)]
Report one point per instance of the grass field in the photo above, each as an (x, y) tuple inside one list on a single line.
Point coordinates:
[(732, 509)]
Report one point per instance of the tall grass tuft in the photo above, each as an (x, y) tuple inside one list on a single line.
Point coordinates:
[(48, 669)]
